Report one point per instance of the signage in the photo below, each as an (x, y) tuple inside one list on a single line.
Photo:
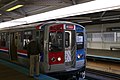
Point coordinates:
[(70, 27), (113, 29)]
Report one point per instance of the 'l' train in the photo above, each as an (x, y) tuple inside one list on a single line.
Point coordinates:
[(62, 44)]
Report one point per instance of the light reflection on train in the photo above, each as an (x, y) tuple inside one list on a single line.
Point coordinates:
[(62, 44)]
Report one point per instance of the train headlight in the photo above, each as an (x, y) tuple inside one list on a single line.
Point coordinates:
[(78, 56), (59, 58), (53, 59)]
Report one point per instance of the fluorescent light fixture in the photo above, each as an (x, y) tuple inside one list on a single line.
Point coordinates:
[(13, 8), (79, 9)]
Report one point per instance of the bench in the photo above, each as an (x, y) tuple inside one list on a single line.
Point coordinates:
[(114, 47)]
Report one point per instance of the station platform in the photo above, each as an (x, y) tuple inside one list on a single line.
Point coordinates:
[(7, 73), (108, 54), (12, 71)]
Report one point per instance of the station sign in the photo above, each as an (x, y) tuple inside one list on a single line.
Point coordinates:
[(113, 29)]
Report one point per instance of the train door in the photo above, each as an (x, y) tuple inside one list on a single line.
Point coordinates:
[(13, 47), (53, 47), (70, 48), (56, 44)]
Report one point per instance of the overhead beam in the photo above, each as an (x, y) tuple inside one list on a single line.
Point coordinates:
[(74, 2), (80, 9), (9, 4), (48, 2), (101, 22)]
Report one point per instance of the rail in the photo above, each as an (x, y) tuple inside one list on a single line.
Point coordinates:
[(104, 58), (114, 47), (92, 74)]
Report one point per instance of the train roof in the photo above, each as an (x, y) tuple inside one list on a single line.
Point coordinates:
[(34, 25)]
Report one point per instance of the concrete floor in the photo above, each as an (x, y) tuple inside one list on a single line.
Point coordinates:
[(7, 73)]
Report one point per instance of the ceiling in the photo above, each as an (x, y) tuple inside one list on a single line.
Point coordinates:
[(112, 16), (32, 7)]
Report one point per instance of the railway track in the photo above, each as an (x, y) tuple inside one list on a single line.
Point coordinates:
[(104, 58), (100, 75), (103, 64), (102, 68)]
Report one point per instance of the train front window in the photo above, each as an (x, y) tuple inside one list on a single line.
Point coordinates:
[(80, 40), (55, 41)]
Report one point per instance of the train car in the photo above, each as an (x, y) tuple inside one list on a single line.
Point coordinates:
[(62, 44)]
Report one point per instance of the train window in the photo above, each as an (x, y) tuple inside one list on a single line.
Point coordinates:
[(67, 43), (55, 41), (80, 40), (26, 36)]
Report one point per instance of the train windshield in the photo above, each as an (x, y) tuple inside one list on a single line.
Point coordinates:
[(55, 41)]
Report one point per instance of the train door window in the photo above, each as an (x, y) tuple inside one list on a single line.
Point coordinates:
[(37, 33), (55, 41), (0, 39), (21, 35), (67, 43), (80, 40), (18, 42), (0, 36), (41, 40), (3, 40), (26, 40), (16, 39), (7, 39), (37, 36)]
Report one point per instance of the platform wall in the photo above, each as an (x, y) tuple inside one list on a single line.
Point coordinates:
[(100, 42)]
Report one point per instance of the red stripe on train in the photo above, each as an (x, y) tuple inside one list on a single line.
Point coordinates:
[(20, 51), (4, 48)]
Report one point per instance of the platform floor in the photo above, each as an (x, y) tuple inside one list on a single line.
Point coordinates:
[(12, 71), (7, 73), (108, 53)]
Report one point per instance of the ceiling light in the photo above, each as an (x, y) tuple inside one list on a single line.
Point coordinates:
[(13, 8)]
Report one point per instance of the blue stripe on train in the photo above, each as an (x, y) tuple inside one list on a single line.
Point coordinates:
[(22, 55), (4, 51)]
